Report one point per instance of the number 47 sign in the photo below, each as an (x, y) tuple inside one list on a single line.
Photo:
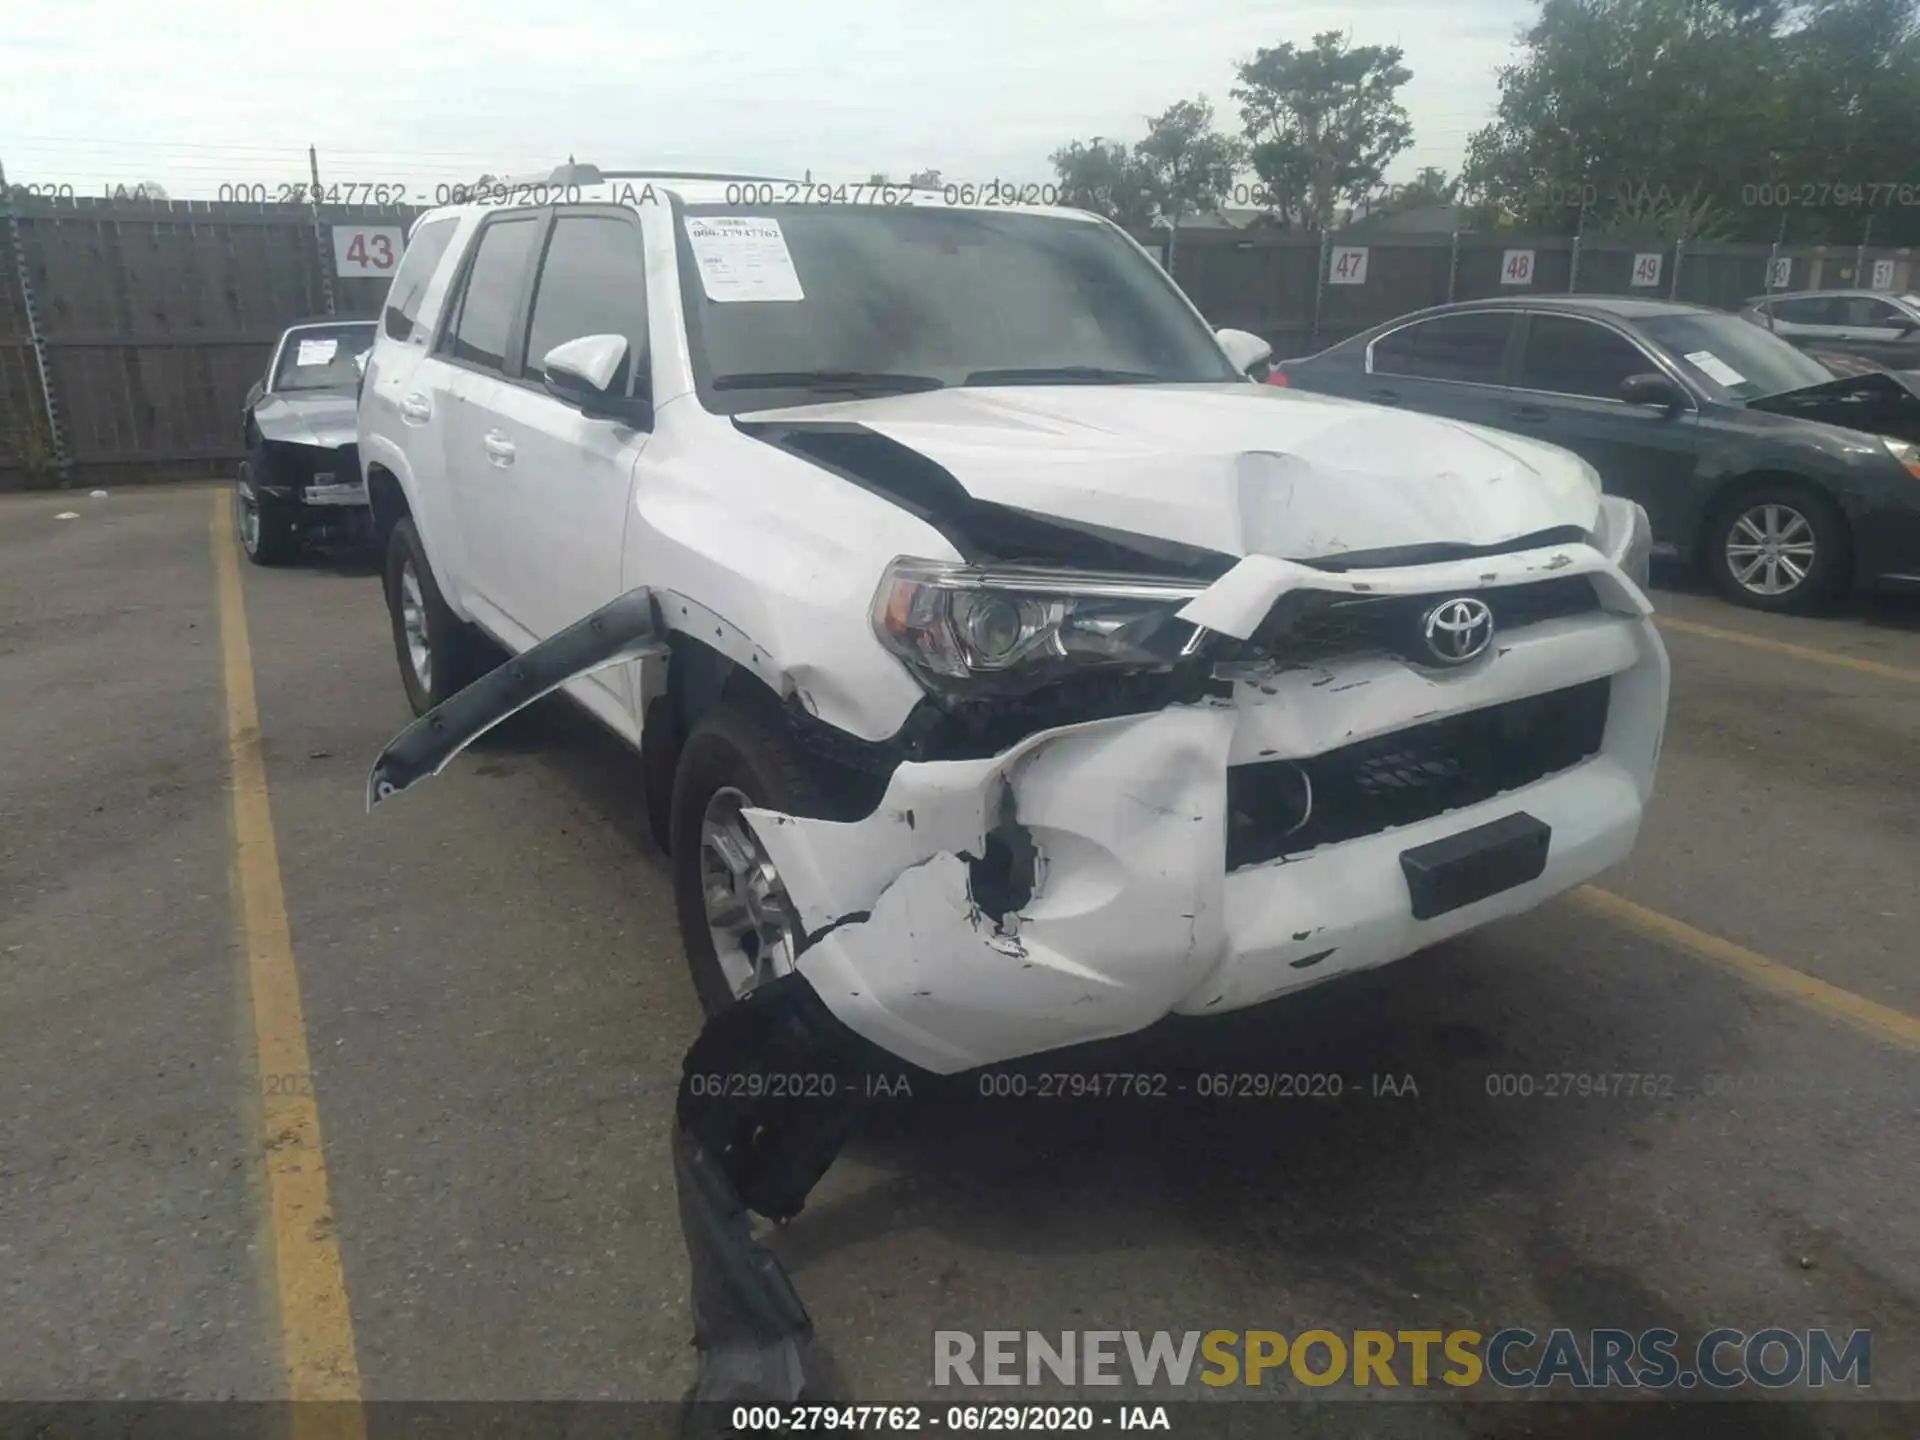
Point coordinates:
[(367, 249)]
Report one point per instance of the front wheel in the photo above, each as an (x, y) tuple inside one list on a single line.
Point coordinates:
[(736, 920), (1778, 546), (439, 653), (265, 525)]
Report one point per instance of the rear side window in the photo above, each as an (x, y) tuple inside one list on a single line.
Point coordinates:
[(1577, 357), (592, 282), (410, 281), (483, 322), (1453, 347)]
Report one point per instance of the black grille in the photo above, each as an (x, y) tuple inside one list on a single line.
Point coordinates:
[(1409, 775), (1309, 625)]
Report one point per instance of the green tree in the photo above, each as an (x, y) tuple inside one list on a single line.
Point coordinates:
[(1709, 118), (1187, 164), (1103, 176), (1324, 123)]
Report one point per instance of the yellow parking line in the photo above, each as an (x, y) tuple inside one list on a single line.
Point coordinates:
[(1880, 1021), (316, 1330), (1799, 652)]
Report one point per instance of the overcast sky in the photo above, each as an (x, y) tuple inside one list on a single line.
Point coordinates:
[(200, 92)]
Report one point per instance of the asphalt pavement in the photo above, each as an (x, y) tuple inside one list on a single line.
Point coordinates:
[(495, 1005)]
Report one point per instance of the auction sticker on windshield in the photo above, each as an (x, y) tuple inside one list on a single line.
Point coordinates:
[(315, 352), (1714, 368), (742, 258)]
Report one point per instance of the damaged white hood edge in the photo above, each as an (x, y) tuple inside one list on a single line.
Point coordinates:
[(1241, 469)]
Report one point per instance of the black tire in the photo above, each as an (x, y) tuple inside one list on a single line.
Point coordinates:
[(729, 747), (266, 527), (456, 654), (1800, 512)]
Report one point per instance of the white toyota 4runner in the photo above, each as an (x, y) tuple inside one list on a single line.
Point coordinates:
[(999, 657)]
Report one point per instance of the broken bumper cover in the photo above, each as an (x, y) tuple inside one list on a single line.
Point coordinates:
[(1133, 913)]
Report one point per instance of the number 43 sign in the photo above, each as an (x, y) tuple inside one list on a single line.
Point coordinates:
[(367, 249)]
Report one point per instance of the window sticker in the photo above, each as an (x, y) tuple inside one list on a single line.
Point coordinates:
[(1714, 368), (742, 258), (315, 352)]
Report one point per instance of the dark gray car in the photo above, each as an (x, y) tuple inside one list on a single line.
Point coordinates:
[(1868, 324), (1782, 481), (301, 476)]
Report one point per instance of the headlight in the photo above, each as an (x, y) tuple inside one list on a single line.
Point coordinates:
[(1907, 453), (1007, 630), (1625, 536)]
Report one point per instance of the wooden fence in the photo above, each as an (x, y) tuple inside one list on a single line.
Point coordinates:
[(130, 330)]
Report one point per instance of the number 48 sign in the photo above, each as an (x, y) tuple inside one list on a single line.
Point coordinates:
[(367, 249), (1516, 268)]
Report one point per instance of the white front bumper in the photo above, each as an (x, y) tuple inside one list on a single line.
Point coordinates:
[(1134, 915)]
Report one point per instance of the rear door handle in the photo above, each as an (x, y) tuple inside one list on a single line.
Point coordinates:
[(1530, 414), (415, 410), (1384, 397), (498, 447)]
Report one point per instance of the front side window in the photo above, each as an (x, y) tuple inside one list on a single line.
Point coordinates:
[(1465, 348), (483, 324), (592, 282), (1863, 312), (1568, 356), (323, 357), (856, 300), (410, 281)]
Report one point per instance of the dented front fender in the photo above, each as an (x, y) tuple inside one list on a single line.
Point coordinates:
[(922, 941)]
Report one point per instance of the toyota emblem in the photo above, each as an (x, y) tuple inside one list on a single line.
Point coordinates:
[(1457, 630)]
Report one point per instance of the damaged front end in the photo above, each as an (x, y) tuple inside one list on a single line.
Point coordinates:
[(1056, 849)]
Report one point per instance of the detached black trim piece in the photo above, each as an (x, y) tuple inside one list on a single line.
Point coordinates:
[(625, 629), (1475, 863)]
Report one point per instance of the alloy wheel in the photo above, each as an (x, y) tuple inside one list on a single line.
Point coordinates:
[(749, 917), (1770, 549), (247, 511), (413, 623)]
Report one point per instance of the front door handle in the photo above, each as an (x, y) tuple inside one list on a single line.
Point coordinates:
[(415, 410), (498, 447), (1384, 397), (1530, 414)]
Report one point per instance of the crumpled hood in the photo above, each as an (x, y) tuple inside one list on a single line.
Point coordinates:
[(1236, 468), (310, 417), (1875, 402)]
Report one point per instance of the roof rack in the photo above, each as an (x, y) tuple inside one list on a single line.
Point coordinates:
[(577, 174), (573, 173)]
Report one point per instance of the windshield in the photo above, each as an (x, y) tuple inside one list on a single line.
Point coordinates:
[(324, 357), (857, 300), (1731, 359)]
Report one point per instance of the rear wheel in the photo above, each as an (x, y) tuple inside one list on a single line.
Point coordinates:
[(1778, 546), (736, 920), (439, 653), (265, 525)]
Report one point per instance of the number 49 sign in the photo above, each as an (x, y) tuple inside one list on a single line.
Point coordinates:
[(367, 249)]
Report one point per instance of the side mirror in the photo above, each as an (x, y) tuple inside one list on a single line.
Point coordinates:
[(1244, 350), (1652, 388), (253, 395), (582, 372), (1905, 324)]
